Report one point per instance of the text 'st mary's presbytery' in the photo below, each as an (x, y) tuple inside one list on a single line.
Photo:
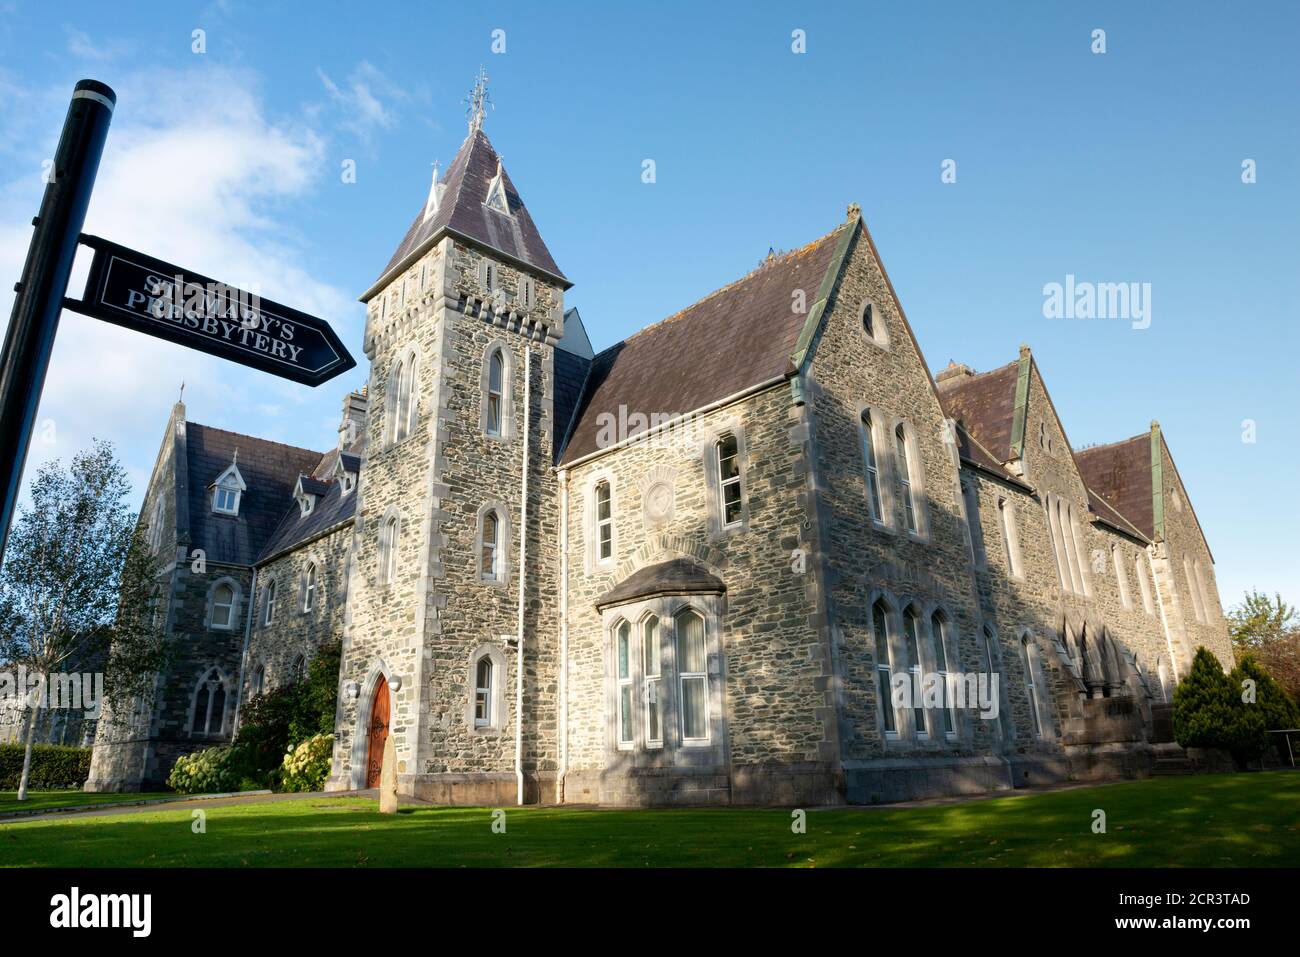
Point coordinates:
[(213, 309)]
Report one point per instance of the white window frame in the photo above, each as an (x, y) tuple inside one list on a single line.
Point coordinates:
[(652, 679), (269, 598), (912, 651), (222, 494), (884, 669), (492, 546), (624, 686), (868, 425), (496, 358), (904, 472), (871, 320), (605, 523), (309, 576), (483, 693), (732, 482), (230, 607), (939, 648), (684, 676)]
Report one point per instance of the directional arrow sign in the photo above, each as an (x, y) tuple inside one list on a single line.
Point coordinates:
[(148, 295)]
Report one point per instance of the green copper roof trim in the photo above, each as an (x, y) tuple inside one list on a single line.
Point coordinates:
[(847, 232), (1021, 410), (1157, 484)]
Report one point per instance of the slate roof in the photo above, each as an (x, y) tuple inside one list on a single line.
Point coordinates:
[(679, 576), (331, 509), (1121, 474), (270, 471), (570, 376), (985, 405), (462, 212), (734, 338), (972, 452)]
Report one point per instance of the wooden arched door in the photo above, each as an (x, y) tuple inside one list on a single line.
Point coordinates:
[(378, 733)]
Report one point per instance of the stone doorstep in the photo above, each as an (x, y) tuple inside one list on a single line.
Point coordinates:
[(138, 802)]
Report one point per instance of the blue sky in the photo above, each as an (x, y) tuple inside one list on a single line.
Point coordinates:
[(1116, 167)]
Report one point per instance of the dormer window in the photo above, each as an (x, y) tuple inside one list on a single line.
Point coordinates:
[(228, 489), (496, 194), (306, 503), (306, 499), (348, 482)]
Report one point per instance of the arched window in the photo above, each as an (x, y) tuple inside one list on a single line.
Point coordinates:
[(156, 525), (992, 666), (1121, 579), (971, 497), (692, 668), (623, 667), (728, 461), (903, 463), (1144, 584), (939, 651), (223, 607), (872, 468), (1162, 674), (1191, 587), (1010, 537), (389, 534), (1203, 590), (495, 392), (604, 523), (268, 616), (298, 670), (490, 552), (309, 587), (884, 682), (209, 705), (653, 671), (402, 398), (912, 650), (1029, 651), (484, 676), (258, 682)]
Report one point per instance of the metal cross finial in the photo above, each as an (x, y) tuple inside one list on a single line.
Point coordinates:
[(478, 101)]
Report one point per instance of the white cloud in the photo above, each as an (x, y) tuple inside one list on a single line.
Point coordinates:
[(361, 111), (195, 172)]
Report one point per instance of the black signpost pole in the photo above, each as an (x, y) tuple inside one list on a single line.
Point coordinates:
[(35, 319)]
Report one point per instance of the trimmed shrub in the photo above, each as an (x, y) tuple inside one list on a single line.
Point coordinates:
[(307, 766), (1203, 704), (55, 767), (210, 771), (274, 722)]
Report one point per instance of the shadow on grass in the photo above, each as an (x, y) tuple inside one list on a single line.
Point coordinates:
[(1212, 821)]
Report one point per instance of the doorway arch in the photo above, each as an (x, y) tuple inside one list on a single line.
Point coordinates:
[(377, 733)]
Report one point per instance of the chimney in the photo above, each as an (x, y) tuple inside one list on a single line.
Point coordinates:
[(956, 372), (352, 429)]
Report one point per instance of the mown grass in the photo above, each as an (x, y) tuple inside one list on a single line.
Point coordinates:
[(1207, 821), (52, 800)]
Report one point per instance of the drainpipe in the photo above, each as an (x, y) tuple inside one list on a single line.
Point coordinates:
[(564, 636), (523, 553), (243, 658)]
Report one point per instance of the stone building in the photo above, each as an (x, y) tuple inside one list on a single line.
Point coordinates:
[(701, 566)]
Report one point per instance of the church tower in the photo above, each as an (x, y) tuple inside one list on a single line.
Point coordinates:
[(453, 583)]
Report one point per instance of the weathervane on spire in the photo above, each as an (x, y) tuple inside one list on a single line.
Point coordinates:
[(478, 101)]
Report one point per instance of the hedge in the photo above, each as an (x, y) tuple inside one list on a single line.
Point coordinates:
[(54, 767)]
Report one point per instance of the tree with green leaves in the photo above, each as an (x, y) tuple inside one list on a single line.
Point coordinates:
[(79, 583), (1257, 689), (1269, 629)]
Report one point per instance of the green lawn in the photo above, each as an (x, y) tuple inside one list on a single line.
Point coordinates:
[(49, 800), (1205, 820)]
